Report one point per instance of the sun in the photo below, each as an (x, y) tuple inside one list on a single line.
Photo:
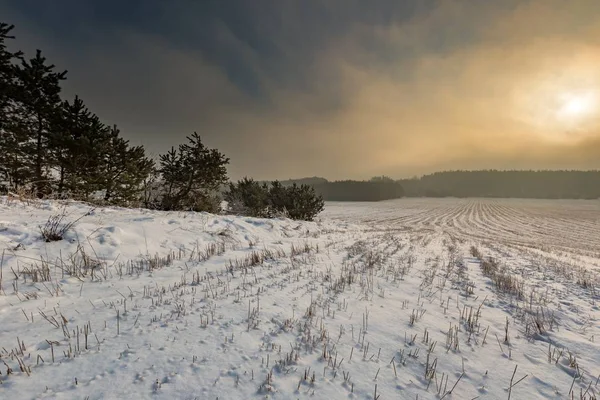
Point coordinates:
[(556, 113), (558, 102), (575, 106)]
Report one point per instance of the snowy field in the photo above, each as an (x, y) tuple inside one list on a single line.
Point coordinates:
[(409, 299)]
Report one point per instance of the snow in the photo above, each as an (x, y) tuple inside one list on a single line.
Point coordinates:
[(373, 299)]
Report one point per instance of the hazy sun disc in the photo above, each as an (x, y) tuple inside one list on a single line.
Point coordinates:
[(558, 114), (578, 105)]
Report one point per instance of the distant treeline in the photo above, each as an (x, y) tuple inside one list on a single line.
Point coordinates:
[(483, 183), (376, 189), (359, 190), (516, 184)]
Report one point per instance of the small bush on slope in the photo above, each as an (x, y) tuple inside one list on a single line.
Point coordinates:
[(302, 202), (248, 197)]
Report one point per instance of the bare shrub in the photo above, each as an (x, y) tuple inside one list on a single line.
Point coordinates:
[(56, 227)]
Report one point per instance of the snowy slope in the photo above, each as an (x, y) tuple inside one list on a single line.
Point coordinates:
[(382, 299)]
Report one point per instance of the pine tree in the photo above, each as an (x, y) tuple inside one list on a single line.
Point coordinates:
[(11, 159), (72, 121), (37, 96), (7, 71), (278, 199), (93, 146), (295, 202), (77, 146), (248, 197), (124, 169), (303, 202), (192, 174)]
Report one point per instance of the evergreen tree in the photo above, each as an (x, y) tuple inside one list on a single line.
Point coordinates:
[(11, 157), (7, 72), (248, 197), (303, 203), (192, 174), (278, 199), (124, 169), (37, 95), (93, 146), (47, 144), (78, 144), (66, 144), (14, 162)]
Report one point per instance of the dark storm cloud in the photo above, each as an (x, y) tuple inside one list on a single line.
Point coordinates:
[(338, 88)]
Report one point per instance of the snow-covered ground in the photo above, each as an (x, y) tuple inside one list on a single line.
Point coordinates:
[(415, 298)]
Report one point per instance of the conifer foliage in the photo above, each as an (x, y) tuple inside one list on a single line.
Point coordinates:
[(12, 163), (191, 176), (37, 100), (59, 148), (248, 197), (52, 147)]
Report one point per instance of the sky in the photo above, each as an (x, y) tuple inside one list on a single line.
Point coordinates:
[(343, 89)]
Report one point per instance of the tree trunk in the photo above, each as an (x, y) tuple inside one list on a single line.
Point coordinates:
[(38, 162), (61, 182), (108, 193)]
